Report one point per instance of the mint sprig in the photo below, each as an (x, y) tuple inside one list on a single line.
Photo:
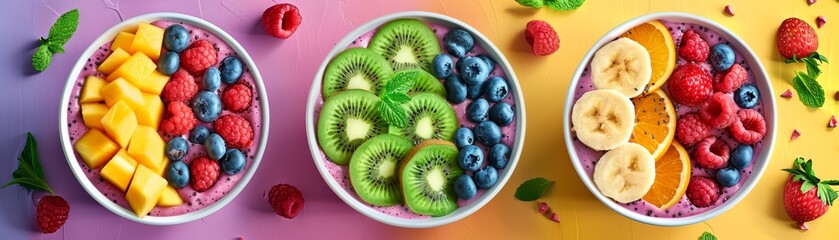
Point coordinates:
[(29, 172), (60, 33), (707, 236), (564, 5), (803, 171), (809, 90), (395, 94), (532, 189)]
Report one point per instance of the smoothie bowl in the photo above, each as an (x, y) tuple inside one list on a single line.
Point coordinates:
[(164, 119), (670, 119), (415, 120)]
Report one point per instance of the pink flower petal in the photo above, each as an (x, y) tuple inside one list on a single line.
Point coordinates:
[(832, 123), (787, 94), (820, 21), (795, 134), (554, 217)]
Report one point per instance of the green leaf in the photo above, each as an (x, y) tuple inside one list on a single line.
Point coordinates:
[(64, 27), (55, 47), (532, 189), (831, 182), (812, 68), (42, 58), (29, 173), (707, 236), (401, 82), (393, 114), (564, 5), (531, 3), (398, 98), (807, 185), (809, 91)]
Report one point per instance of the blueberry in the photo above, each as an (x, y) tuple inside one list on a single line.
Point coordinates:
[(742, 156), (722, 57), (499, 155), (178, 174), (458, 42), (455, 89), (175, 38), (475, 91), (231, 69), (215, 146), (199, 134), (464, 187), (747, 96), (488, 133), (212, 79), (233, 161), (488, 60), (496, 89), (728, 177), (486, 177), (477, 110), (177, 148), (463, 137), (501, 113), (443, 66), (168, 63), (474, 71), (206, 106), (470, 158)]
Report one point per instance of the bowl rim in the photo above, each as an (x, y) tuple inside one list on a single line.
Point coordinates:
[(462, 212), (69, 151), (761, 161)]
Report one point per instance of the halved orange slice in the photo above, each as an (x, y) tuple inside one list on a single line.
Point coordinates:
[(655, 122), (672, 174), (659, 43)]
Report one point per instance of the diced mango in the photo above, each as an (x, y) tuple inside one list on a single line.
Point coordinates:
[(117, 58), (148, 39), (145, 190), (122, 90), (154, 83), (123, 40), (152, 113), (135, 69), (95, 148), (147, 147), (91, 89), (170, 198), (120, 123), (164, 164), (120, 170), (92, 114)]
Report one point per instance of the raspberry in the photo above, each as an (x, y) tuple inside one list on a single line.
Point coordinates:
[(689, 85), (712, 154), (693, 47), (542, 38), (690, 129), (749, 127), (204, 173), (181, 119), (718, 111), (180, 88), (235, 130), (281, 20), (51, 213), (286, 200), (237, 97), (702, 191), (730, 80), (199, 56)]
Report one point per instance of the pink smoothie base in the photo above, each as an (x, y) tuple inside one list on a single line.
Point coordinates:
[(340, 173), (193, 200), (683, 208)]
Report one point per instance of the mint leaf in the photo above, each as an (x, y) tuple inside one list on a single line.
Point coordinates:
[(395, 94), (564, 5), (809, 91), (401, 82), (531, 3), (393, 113), (707, 236), (64, 27), (532, 189), (42, 58), (55, 47), (29, 173)]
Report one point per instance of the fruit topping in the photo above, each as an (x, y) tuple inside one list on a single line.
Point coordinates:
[(741, 157), (215, 146), (806, 197), (623, 65), (473, 70), (463, 137), (602, 119), (427, 175), (712, 153), (796, 38), (235, 130), (458, 42), (747, 96), (464, 187), (471, 158), (406, 43), (496, 89), (180, 119), (690, 85), (204, 173), (477, 111), (655, 122), (177, 148), (237, 97), (199, 134), (429, 117), (501, 114), (180, 88), (486, 177), (693, 47), (499, 155), (233, 161), (656, 38), (488, 60), (456, 91), (168, 63), (207, 106), (786, 94), (175, 38), (690, 129), (286, 200), (625, 173), (718, 111), (199, 56), (347, 120), (178, 174), (749, 127), (212, 79), (542, 38), (722, 57), (672, 174), (231, 69), (488, 133), (443, 66), (702, 191), (281, 20), (728, 177), (374, 168)]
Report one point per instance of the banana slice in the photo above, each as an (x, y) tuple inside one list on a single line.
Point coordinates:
[(625, 173), (622, 65), (603, 119)]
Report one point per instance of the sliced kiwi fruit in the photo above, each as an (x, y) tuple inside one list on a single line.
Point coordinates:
[(406, 43), (347, 120), (425, 82), (373, 169), (356, 68), (429, 117), (427, 175)]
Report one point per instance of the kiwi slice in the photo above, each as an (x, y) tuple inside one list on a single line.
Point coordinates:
[(429, 117), (373, 169), (355, 68), (427, 175), (425, 82), (346, 121), (406, 43)]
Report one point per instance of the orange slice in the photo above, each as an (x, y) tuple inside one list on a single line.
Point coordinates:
[(672, 174), (659, 43), (655, 122)]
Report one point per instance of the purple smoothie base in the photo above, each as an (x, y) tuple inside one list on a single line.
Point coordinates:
[(589, 157), (340, 173), (193, 200)]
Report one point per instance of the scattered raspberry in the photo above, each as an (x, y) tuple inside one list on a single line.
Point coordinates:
[(702, 191), (832, 123), (235, 130), (795, 134), (543, 208), (199, 56), (237, 97), (712, 154), (181, 119), (542, 38), (690, 85), (787, 94), (796, 38), (554, 217), (731, 79), (749, 127), (718, 111), (204, 173), (180, 88), (729, 10), (51, 213), (693, 47), (286, 200), (690, 129), (281, 20), (820, 21)]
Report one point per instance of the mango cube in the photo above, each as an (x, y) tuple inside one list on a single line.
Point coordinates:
[(123, 40), (154, 83), (92, 115), (91, 89), (135, 69), (147, 147), (120, 122), (120, 170), (145, 190), (117, 58), (122, 90), (148, 39), (151, 114), (95, 148), (163, 165), (170, 198)]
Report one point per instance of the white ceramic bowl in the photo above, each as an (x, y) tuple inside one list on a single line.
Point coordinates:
[(460, 213), (69, 152), (761, 80)]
